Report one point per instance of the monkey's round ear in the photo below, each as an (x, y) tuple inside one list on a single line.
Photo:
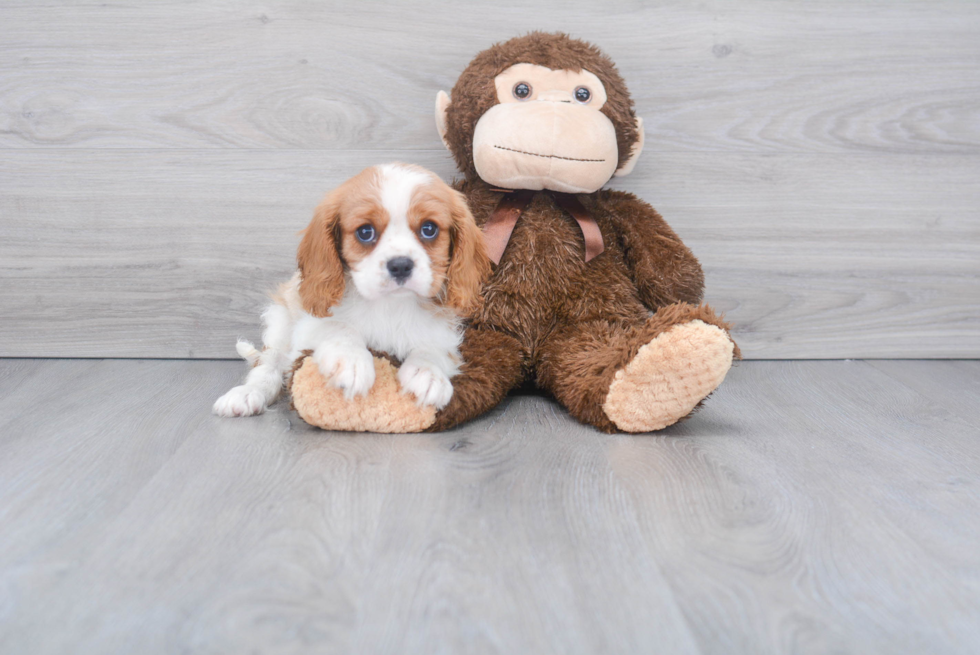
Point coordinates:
[(627, 168), (442, 104)]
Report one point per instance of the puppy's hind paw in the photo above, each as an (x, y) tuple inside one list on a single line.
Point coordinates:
[(243, 400)]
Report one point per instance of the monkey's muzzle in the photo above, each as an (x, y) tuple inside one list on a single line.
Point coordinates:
[(545, 145)]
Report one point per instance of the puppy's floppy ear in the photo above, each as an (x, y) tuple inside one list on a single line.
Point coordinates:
[(469, 266), (318, 256)]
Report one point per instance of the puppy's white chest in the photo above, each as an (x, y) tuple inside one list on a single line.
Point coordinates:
[(400, 324)]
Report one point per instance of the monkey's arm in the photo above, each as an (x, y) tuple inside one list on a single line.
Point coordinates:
[(663, 269)]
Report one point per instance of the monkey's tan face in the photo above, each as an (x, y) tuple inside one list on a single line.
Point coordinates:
[(546, 132)]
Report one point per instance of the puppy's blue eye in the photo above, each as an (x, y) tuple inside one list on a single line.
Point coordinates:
[(365, 234), (429, 230)]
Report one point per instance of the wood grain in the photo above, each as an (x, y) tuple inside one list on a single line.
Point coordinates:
[(156, 159), (848, 483), (142, 253), (809, 507), (834, 77), (953, 385)]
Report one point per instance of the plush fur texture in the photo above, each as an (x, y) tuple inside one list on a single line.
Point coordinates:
[(668, 377), (402, 286), (523, 142), (474, 93), (386, 409), (580, 325)]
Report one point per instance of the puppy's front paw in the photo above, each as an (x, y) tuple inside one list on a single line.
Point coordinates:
[(429, 385), (350, 370), (242, 400)]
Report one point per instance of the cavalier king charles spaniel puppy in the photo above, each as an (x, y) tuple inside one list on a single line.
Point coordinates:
[(392, 261)]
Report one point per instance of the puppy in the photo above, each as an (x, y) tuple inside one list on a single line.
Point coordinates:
[(392, 261)]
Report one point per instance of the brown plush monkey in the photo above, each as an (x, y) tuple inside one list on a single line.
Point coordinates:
[(593, 296)]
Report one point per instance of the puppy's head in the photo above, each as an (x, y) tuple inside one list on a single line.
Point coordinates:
[(394, 229)]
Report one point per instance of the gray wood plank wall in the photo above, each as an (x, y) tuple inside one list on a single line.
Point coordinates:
[(157, 160)]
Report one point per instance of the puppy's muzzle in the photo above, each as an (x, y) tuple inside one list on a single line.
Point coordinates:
[(400, 268)]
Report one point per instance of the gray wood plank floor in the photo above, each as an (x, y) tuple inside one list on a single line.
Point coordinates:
[(157, 159), (811, 507)]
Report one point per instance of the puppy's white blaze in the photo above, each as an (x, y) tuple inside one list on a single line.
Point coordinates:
[(370, 275), (397, 184)]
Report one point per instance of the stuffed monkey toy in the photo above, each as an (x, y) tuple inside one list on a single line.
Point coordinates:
[(593, 297)]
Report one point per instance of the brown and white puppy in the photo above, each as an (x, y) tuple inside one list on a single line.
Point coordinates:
[(392, 261)]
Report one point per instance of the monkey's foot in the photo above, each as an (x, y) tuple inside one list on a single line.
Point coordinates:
[(384, 409), (668, 377)]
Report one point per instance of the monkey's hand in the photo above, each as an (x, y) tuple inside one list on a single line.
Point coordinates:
[(663, 269)]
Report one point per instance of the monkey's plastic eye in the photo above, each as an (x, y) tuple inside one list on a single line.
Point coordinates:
[(365, 233), (522, 90), (583, 95), (429, 230)]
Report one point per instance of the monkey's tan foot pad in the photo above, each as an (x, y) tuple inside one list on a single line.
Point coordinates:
[(384, 409), (668, 377)]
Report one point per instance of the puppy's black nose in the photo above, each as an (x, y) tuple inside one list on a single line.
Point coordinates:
[(400, 268)]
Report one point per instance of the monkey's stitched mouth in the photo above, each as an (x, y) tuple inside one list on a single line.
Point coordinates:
[(534, 154)]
